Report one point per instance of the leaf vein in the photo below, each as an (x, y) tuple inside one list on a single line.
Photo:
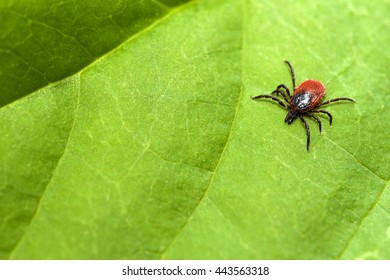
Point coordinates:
[(73, 38), (54, 170), (25, 62), (354, 157), (228, 140), (376, 202), (95, 60)]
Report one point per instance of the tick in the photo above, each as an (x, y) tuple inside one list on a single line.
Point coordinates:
[(305, 101)]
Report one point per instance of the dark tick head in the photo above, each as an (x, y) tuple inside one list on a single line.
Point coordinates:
[(291, 116), (300, 102)]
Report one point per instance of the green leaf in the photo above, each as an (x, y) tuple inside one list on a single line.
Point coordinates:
[(151, 147), (43, 41)]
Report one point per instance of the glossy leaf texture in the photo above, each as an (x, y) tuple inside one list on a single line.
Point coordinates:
[(127, 130)]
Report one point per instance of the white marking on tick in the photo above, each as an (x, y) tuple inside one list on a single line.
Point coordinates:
[(303, 100)]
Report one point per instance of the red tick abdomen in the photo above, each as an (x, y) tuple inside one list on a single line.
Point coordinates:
[(313, 87)]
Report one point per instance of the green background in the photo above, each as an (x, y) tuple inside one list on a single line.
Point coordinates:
[(127, 130)]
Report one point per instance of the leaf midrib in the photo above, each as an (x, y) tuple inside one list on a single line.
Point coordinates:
[(171, 12)]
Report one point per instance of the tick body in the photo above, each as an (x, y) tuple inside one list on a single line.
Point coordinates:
[(305, 101)]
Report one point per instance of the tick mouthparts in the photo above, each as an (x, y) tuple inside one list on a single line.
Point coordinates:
[(291, 116)]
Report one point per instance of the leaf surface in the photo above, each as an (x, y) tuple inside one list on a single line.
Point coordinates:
[(43, 41), (153, 148)]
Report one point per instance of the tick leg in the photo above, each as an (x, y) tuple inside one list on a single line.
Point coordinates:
[(324, 112), (285, 88), (334, 100), (271, 97), (277, 91), (307, 132), (292, 73), (316, 118)]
